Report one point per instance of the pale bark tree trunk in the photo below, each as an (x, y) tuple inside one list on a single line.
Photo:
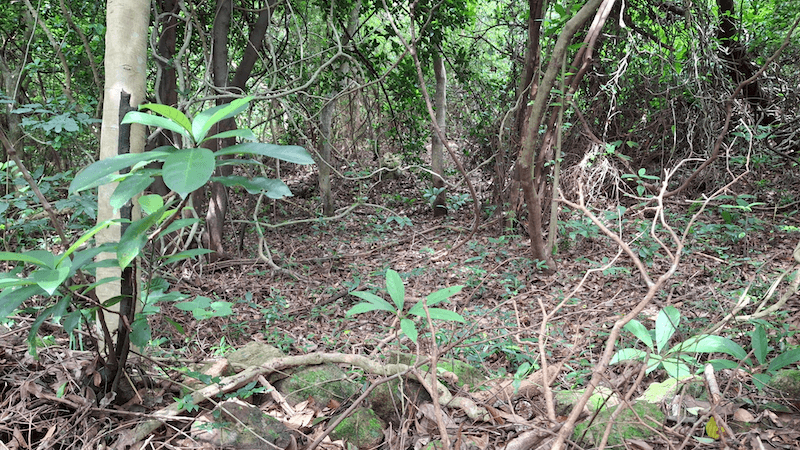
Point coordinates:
[(125, 70), (437, 146)]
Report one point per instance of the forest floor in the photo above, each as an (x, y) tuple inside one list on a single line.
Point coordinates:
[(503, 299)]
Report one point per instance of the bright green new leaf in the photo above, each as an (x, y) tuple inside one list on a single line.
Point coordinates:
[(643, 334), (208, 118), (151, 203), (128, 188), (760, 344), (666, 323), (409, 329), (442, 294), (99, 172), (395, 288), (186, 170), (156, 121), (172, 114), (289, 153)]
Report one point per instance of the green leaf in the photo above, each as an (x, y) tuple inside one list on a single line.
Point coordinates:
[(128, 188), (151, 203), (707, 343), (394, 285), (140, 332), (11, 298), (675, 368), (156, 121), (289, 153), (628, 354), (445, 314), (97, 173), (50, 279), (361, 308), (410, 329), (373, 299), (72, 320), (178, 224), (188, 169), (85, 237), (643, 334), (134, 238), (759, 341), (241, 133), (666, 323), (172, 114), (23, 257), (784, 359), (442, 294), (208, 118)]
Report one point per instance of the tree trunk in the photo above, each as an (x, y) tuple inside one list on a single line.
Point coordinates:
[(530, 136), (218, 201), (437, 146), (325, 122), (125, 70)]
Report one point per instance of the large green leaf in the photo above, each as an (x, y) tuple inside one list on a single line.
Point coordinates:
[(188, 169), (409, 329), (782, 360), (23, 257), (132, 185), (135, 237), (394, 285), (273, 188), (445, 314), (156, 121), (172, 114), (289, 153), (50, 279), (208, 118), (641, 332), (628, 354), (99, 172), (442, 295), (760, 344), (666, 323), (373, 302), (707, 343), (675, 368), (11, 298)]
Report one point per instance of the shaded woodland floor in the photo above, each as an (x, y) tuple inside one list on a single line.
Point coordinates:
[(503, 300)]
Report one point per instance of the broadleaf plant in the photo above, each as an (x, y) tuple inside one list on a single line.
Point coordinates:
[(674, 360), (396, 290)]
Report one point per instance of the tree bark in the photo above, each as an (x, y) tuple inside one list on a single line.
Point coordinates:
[(530, 137), (125, 70), (437, 146)]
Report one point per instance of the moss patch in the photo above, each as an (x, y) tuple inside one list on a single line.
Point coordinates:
[(626, 426)]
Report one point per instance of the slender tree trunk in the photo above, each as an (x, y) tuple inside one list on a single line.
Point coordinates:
[(437, 146), (218, 201), (125, 70), (325, 122), (530, 137)]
